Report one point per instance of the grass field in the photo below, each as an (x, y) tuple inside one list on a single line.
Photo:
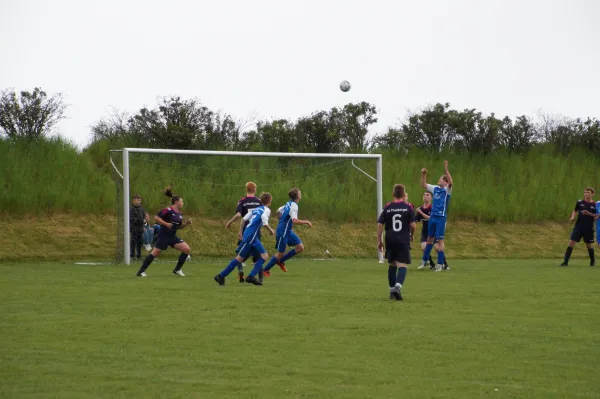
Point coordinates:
[(325, 329)]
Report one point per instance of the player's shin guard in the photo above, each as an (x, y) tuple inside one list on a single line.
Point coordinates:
[(180, 261), (287, 256), (427, 252), (146, 263), (568, 254), (401, 275), (271, 263), (592, 257), (257, 268), (232, 265), (392, 276), (441, 258)]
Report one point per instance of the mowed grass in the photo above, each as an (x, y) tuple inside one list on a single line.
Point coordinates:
[(325, 329)]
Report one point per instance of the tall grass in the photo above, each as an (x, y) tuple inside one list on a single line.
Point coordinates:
[(53, 177)]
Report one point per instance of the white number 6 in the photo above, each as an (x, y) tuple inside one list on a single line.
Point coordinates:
[(397, 223)]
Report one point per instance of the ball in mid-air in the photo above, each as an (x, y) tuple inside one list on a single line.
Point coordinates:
[(345, 85)]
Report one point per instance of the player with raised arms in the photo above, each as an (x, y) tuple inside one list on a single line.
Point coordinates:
[(585, 210), (251, 245), (422, 214), (170, 220), (285, 236), (439, 210), (398, 220), (244, 205)]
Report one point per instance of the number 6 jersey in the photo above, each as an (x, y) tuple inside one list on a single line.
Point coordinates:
[(396, 217)]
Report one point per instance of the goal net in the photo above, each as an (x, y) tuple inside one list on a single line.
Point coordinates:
[(338, 190)]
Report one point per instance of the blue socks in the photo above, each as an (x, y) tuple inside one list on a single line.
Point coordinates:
[(232, 265), (271, 263), (392, 276), (257, 267), (401, 275), (441, 258), (427, 252), (290, 254)]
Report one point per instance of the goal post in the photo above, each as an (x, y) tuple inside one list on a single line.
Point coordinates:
[(126, 176)]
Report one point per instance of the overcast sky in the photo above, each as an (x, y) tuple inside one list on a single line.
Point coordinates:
[(283, 61)]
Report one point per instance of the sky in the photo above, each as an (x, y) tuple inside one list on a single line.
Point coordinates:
[(269, 59)]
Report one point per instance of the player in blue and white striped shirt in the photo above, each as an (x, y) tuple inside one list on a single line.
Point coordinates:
[(285, 236), (439, 212), (251, 245)]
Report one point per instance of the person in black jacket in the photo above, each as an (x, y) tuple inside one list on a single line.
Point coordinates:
[(136, 226)]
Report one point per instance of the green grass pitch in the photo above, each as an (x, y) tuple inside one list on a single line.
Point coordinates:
[(325, 329)]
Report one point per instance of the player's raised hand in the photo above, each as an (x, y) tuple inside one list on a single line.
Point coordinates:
[(445, 164), (424, 171)]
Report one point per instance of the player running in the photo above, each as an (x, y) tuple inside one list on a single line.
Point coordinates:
[(251, 245), (245, 204), (285, 236), (585, 210), (439, 209), (398, 220), (423, 213), (170, 220)]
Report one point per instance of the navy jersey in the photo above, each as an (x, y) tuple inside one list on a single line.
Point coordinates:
[(256, 218), (441, 198), (169, 215), (396, 218), (288, 212), (419, 218), (246, 204), (583, 221)]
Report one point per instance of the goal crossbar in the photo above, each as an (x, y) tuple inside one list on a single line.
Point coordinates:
[(125, 175)]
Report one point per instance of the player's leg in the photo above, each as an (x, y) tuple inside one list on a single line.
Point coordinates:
[(392, 271), (432, 227), (437, 249), (185, 251), (439, 237), (280, 246), (402, 261), (160, 246), (241, 266), (575, 238), (243, 250), (292, 241), (258, 249), (589, 243)]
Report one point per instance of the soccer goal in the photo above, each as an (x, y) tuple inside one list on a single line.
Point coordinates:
[(337, 184)]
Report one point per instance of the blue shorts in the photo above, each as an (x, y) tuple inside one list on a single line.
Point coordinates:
[(598, 234), (290, 239), (246, 249), (437, 227)]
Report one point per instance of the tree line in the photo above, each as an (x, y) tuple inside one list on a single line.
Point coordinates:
[(188, 124)]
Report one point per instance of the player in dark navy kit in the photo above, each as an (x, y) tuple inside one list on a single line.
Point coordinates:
[(170, 220), (585, 210), (423, 214), (251, 245), (245, 204), (398, 220)]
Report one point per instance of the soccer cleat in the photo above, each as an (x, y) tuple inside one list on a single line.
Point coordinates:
[(219, 279), (241, 277), (141, 274), (261, 277), (179, 273), (266, 273), (446, 267), (148, 247), (282, 266), (564, 264), (253, 280), (439, 268)]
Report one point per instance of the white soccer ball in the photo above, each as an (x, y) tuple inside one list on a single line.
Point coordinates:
[(345, 85)]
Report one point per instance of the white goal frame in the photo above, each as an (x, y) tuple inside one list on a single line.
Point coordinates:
[(125, 176)]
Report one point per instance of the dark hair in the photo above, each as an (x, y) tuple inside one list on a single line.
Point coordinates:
[(265, 198), (293, 194), (399, 191), (137, 196), (586, 189), (169, 193)]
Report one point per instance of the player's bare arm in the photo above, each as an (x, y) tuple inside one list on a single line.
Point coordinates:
[(233, 219), (423, 215), (187, 223), (447, 173), (271, 231), (413, 227), (160, 221), (300, 222), (379, 237), (424, 178), (573, 214)]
